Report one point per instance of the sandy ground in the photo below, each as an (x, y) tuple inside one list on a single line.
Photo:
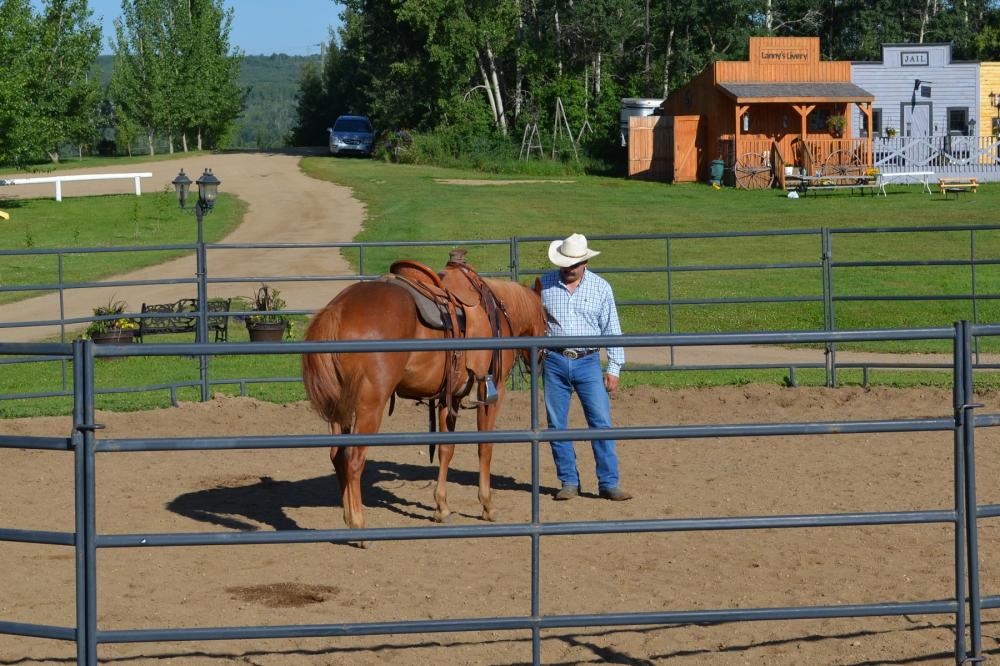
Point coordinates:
[(326, 583)]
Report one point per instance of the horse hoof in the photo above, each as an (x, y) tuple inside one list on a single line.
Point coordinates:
[(445, 518), (366, 545), (491, 516)]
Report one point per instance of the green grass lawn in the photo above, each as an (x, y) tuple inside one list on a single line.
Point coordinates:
[(100, 222), (405, 203)]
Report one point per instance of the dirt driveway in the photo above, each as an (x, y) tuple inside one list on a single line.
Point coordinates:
[(285, 206)]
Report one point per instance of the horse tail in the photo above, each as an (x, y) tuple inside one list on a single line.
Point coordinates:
[(330, 391)]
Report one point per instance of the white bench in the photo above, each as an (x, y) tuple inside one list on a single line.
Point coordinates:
[(59, 180), (919, 176)]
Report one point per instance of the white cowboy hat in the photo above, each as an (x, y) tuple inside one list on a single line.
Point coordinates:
[(571, 251)]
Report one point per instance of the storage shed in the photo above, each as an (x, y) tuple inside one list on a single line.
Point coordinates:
[(771, 110)]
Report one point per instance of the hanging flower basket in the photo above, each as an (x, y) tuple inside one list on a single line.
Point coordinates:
[(267, 331), (113, 336)]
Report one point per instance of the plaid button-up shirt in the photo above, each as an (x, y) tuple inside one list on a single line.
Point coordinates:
[(590, 310)]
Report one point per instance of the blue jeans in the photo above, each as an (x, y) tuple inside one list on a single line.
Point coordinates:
[(562, 377)]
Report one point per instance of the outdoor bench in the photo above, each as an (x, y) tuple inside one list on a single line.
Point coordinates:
[(182, 317), (956, 185)]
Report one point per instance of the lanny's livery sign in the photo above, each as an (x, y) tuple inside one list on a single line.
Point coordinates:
[(784, 56)]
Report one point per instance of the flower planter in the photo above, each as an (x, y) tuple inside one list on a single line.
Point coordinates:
[(267, 331), (114, 336)]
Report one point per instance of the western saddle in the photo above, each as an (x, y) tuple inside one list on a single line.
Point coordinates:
[(460, 303)]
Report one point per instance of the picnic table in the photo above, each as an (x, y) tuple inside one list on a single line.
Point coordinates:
[(804, 184), (919, 176)]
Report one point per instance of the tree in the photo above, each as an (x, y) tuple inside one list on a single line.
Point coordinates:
[(46, 94), (173, 72)]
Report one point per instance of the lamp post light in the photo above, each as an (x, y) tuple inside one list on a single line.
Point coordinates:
[(208, 190)]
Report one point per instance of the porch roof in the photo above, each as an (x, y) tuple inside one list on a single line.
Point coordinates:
[(798, 93)]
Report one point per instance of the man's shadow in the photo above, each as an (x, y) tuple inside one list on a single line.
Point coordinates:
[(266, 501)]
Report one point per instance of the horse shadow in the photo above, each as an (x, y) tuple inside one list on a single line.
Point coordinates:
[(266, 502)]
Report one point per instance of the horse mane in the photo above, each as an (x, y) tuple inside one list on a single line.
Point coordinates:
[(523, 304)]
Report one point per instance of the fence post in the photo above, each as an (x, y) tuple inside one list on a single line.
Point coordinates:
[(670, 297), (515, 260), (975, 299), (829, 321), (966, 419), (85, 502), (202, 270), (958, 394), (536, 546)]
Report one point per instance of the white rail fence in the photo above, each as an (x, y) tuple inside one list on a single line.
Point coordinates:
[(59, 180)]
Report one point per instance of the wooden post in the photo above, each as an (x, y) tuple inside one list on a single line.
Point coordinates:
[(803, 112), (866, 108), (740, 110)]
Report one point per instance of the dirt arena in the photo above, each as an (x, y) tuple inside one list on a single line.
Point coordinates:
[(326, 583)]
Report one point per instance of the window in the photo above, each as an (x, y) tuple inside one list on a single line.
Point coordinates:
[(818, 120), (958, 121), (876, 123)]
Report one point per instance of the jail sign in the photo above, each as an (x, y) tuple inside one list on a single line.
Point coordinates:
[(914, 58)]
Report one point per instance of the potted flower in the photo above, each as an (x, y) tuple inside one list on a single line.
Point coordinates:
[(267, 327), (837, 124), (119, 331), (890, 132)]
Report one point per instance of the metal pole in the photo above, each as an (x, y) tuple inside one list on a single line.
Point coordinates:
[(515, 268), (958, 386), (202, 334), (536, 549), (89, 506), (670, 300), (62, 320), (972, 551), (975, 300), (829, 352), (80, 500)]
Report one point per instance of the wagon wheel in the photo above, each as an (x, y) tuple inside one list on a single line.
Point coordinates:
[(752, 172), (843, 163)]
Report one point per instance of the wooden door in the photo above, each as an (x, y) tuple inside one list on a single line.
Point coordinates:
[(649, 149), (688, 149)]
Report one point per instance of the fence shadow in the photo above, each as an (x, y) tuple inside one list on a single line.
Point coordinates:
[(266, 501)]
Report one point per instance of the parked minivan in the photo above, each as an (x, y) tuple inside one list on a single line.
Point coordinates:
[(351, 135)]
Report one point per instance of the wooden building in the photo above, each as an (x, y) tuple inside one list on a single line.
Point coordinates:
[(921, 92), (989, 99), (758, 115)]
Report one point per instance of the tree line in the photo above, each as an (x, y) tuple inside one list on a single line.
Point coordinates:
[(174, 78), (499, 64)]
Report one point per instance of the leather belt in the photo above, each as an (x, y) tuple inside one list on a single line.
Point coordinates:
[(574, 354)]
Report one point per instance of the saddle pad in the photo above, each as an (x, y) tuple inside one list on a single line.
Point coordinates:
[(430, 312)]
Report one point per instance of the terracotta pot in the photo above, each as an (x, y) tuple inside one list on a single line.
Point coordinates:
[(267, 331), (114, 336)]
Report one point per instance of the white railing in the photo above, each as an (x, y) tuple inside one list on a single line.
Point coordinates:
[(942, 154), (59, 180)]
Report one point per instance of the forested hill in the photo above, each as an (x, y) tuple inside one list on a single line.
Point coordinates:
[(270, 109)]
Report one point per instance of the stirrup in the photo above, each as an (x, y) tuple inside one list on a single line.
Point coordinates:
[(491, 391), (491, 394)]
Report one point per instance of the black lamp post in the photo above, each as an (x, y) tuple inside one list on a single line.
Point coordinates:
[(208, 190)]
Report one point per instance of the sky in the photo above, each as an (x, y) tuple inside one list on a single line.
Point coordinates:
[(260, 27)]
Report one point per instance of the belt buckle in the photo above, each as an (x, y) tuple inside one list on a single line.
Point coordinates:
[(571, 354)]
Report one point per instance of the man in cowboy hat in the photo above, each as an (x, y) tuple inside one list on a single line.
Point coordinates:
[(578, 302)]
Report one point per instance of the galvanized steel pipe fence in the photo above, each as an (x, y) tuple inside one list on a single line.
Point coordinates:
[(830, 274), (84, 442)]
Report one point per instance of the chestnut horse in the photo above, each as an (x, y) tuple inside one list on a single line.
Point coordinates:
[(350, 390)]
